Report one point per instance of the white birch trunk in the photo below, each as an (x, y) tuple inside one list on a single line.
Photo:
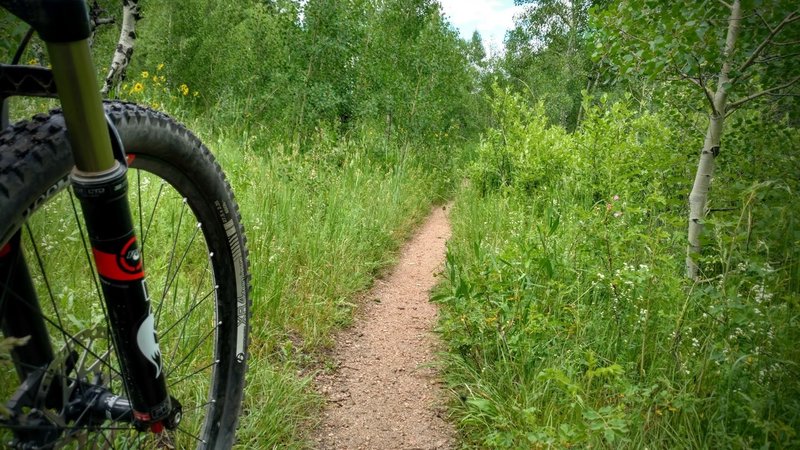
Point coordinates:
[(705, 169), (131, 13)]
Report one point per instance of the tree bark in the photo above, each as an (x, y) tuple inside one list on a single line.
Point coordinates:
[(131, 13), (96, 19), (705, 169)]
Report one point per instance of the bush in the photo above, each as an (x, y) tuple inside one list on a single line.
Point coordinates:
[(567, 317)]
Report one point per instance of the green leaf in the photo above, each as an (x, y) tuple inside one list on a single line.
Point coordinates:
[(481, 403), (612, 371)]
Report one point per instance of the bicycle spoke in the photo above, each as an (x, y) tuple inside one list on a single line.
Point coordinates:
[(169, 372), (86, 410), (69, 336), (195, 408), (179, 341), (196, 438), (194, 373), (86, 253), (108, 441), (185, 315), (152, 214), (183, 256), (203, 278), (184, 318), (40, 262), (95, 279), (171, 260)]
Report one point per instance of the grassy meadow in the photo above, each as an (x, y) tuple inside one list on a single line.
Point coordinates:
[(568, 319)]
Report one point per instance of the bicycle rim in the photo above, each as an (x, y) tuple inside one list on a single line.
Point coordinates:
[(181, 256)]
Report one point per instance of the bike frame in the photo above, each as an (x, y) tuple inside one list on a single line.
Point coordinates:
[(99, 181)]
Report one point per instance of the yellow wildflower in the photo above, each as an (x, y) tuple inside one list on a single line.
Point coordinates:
[(145, 74), (160, 66), (184, 89), (138, 87), (33, 62), (154, 105)]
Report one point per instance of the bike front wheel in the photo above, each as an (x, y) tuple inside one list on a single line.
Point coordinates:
[(195, 258)]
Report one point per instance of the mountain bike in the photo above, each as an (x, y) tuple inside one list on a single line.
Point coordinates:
[(93, 197)]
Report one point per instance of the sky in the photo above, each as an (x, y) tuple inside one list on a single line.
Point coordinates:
[(492, 18)]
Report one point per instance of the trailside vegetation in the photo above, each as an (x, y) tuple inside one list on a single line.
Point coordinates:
[(574, 315), (338, 125), (568, 317), (625, 268)]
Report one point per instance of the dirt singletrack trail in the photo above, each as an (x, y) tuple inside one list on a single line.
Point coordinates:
[(384, 394)]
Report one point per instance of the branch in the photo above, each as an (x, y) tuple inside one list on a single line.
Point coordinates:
[(726, 4), (763, 20), (709, 96), (734, 105), (632, 36), (743, 78), (784, 95), (706, 91), (786, 43), (768, 59), (96, 21), (95, 16), (773, 31)]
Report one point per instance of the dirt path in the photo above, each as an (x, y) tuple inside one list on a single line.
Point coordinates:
[(384, 394)]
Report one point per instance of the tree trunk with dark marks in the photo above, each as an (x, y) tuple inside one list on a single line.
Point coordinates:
[(705, 169), (131, 13)]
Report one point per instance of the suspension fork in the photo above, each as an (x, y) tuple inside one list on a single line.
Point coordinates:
[(100, 183)]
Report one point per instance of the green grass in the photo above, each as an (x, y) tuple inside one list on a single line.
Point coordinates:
[(567, 319), (566, 315), (320, 225)]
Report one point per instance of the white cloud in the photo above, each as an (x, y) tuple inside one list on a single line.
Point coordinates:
[(492, 18)]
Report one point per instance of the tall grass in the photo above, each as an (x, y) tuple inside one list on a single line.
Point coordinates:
[(320, 225), (321, 220), (566, 315)]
